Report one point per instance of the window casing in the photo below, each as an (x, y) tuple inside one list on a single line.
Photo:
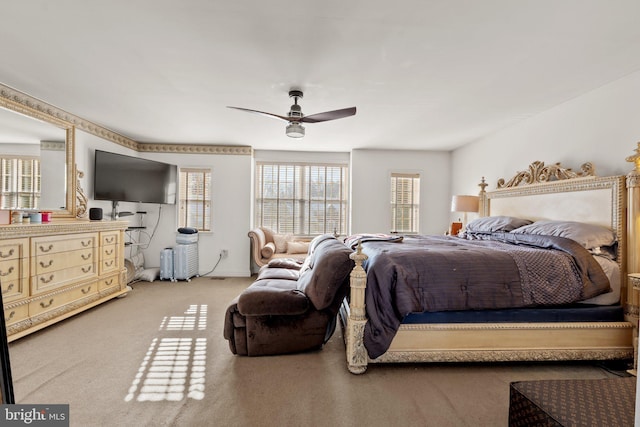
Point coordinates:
[(301, 199), (20, 182), (405, 203), (195, 199)]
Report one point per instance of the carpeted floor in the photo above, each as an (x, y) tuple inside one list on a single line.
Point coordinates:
[(158, 358)]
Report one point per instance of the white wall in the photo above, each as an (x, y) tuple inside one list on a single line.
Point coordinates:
[(231, 184), (602, 126), (370, 188)]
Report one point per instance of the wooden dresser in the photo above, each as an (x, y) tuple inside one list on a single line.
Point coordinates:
[(49, 272)]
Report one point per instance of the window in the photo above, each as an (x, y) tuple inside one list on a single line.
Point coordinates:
[(301, 199), (195, 199), (20, 182), (405, 202)]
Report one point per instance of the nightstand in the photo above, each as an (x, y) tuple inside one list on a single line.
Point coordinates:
[(634, 282)]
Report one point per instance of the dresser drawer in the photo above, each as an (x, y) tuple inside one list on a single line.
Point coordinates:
[(13, 249), (14, 289), (54, 301), (48, 281), (109, 238), (64, 243), (109, 282), (14, 278), (15, 314), (108, 265), (62, 260)]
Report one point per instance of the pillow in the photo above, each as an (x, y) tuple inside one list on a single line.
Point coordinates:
[(491, 224), (268, 250), (149, 274), (588, 235), (280, 240), (297, 247)]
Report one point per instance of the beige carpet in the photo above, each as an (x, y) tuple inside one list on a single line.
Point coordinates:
[(158, 358)]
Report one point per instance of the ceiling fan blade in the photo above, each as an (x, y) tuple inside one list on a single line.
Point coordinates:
[(329, 115), (275, 116)]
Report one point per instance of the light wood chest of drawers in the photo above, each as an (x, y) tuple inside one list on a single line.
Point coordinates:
[(49, 272)]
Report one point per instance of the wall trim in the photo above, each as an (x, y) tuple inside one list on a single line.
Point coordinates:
[(49, 110)]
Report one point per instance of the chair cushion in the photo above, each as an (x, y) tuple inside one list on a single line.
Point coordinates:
[(278, 273), (272, 297)]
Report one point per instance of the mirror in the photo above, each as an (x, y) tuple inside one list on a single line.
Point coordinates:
[(29, 135)]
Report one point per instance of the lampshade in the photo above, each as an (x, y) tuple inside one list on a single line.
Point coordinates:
[(465, 204), (295, 130)]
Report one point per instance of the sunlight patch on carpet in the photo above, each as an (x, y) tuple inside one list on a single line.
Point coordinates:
[(174, 367), (195, 318)]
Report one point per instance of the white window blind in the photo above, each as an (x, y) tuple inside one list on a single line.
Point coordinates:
[(195, 199), (405, 203), (301, 199), (20, 182)]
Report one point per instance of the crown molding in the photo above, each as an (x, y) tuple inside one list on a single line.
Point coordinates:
[(194, 148), (49, 110), (36, 107)]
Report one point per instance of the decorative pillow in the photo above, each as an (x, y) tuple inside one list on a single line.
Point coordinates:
[(491, 224), (297, 247), (149, 274), (280, 240), (588, 235), (268, 250)]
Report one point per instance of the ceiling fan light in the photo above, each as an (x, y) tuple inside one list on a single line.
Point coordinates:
[(295, 130)]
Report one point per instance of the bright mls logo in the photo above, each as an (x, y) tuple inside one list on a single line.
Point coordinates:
[(34, 415)]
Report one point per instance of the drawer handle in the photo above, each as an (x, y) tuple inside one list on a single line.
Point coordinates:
[(108, 251), (9, 271), (110, 239), (45, 305), (13, 313), (9, 289), (109, 263), (42, 249), (86, 256), (43, 280), (86, 291), (108, 282), (87, 243), (86, 269), (42, 264), (2, 255)]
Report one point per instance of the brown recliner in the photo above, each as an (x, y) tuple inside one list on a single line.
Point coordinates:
[(291, 307)]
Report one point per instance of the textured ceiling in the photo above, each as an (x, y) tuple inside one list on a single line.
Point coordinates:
[(423, 74)]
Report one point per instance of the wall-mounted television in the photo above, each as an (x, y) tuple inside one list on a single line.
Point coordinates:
[(122, 178)]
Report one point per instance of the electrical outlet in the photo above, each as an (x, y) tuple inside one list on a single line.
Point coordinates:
[(224, 253)]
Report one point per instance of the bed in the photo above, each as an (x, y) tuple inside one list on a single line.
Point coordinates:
[(570, 331)]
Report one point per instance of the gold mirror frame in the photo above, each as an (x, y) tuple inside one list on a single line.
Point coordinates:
[(70, 196)]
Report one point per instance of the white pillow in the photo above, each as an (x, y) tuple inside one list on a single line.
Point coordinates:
[(297, 247), (148, 274), (280, 240)]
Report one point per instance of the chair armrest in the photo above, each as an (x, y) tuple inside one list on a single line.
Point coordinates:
[(272, 298), (258, 240)]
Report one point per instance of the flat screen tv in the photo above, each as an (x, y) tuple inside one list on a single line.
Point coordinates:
[(122, 178)]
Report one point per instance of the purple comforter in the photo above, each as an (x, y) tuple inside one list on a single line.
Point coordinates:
[(439, 273)]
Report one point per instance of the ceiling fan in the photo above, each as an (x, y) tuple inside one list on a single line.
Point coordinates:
[(296, 118)]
